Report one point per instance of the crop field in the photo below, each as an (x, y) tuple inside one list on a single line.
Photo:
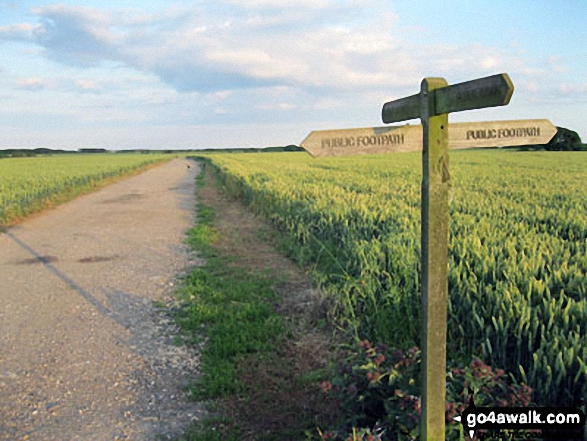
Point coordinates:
[(517, 251), (30, 184)]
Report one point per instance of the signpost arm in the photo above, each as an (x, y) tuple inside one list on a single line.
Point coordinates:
[(434, 285)]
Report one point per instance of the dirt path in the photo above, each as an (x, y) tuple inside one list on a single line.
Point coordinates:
[(84, 354)]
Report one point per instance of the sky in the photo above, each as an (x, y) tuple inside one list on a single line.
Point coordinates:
[(256, 73)]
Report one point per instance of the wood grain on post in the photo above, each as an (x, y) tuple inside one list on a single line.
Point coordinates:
[(434, 285)]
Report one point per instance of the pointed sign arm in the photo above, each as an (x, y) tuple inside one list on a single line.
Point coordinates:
[(402, 109), (492, 91)]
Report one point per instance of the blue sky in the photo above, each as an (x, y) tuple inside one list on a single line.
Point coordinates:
[(251, 73)]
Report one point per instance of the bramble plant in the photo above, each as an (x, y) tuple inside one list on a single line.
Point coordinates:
[(378, 390)]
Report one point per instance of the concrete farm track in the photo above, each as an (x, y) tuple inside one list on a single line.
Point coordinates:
[(84, 354)]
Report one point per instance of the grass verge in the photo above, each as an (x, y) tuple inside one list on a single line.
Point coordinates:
[(262, 360), (231, 306)]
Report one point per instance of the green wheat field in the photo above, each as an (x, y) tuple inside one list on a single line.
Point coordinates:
[(30, 184), (517, 251)]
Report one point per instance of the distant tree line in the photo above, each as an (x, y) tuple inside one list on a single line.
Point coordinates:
[(288, 148), (564, 140), (25, 153)]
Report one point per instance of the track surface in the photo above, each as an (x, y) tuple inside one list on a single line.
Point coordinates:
[(84, 354)]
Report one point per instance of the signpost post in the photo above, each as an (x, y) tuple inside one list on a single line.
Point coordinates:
[(432, 105)]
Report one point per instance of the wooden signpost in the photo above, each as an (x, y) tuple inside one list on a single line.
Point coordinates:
[(408, 138), (432, 105)]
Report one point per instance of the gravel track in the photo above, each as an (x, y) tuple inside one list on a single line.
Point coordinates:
[(84, 353)]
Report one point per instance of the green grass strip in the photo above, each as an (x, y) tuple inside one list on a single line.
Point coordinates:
[(231, 307), (212, 429)]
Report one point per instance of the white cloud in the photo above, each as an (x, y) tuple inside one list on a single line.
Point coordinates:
[(277, 106), (86, 85), (255, 62), (327, 104), (20, 31), (219, 96), (528, 85), (33, 84), (568, 88), (280, 4), (489, 62)]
